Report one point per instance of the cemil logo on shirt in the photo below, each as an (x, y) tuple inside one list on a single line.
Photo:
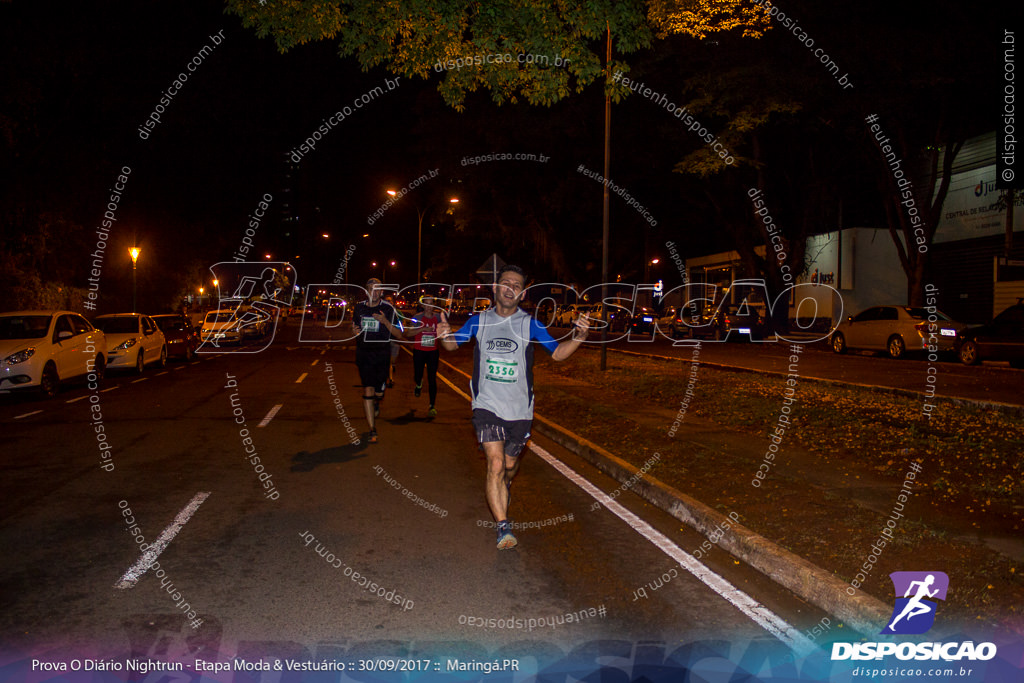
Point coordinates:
[(502, 345)]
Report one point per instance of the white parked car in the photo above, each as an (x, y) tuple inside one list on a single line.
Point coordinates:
[(221, 326), (565, 314), (895, 330), (40, 349), (133, 340)]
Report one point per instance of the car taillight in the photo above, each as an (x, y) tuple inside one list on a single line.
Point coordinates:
[(922, 329)]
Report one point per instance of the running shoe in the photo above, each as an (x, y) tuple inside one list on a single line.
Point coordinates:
[(373, 436), (416, 393), (506, 539), (432, 412)]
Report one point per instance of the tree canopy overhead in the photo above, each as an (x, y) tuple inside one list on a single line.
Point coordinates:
[(540, 51)]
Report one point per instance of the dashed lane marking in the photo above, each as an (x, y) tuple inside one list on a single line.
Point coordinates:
[(270, 415)]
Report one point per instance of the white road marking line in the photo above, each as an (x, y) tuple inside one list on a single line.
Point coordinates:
[(301, 377), (147, 558), (324, 352), (34, 412), (77, 399), (141, 379), (754, 610), (195, 362), (270, 415), (757, 612), (180, 367), (103, 391), (314, 362), (162, 373)]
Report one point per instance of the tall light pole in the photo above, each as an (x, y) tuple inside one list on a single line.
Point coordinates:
[(134, 251), (604, 205), (420, 213)]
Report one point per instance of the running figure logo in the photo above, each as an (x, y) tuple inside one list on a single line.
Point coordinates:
[(914, 613)]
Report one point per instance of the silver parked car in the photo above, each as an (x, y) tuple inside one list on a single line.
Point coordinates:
[(895, 330)]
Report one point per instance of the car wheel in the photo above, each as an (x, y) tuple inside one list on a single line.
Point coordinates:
[(49, 383), (140, 362), (838, 343), (99, 368), (896, 346), (163, 357), (969, 353)]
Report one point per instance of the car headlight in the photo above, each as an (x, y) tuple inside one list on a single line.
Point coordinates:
[(20, 356), (127, 344)]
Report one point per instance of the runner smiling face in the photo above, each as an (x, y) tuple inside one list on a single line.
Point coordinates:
[(507, 292)]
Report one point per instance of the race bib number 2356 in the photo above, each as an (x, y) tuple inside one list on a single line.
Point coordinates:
[(502, 371)]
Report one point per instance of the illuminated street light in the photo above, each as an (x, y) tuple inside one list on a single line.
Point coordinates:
[(134, 251)]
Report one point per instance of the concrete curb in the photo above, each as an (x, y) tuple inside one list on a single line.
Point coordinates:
[(819, 587), (1005, 408)]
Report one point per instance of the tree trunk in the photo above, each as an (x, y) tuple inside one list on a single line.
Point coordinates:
[(915, 281)]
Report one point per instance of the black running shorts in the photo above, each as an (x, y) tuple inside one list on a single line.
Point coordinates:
[(489, 428)]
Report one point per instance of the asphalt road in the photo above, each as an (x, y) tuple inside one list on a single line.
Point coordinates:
[(272, 571)]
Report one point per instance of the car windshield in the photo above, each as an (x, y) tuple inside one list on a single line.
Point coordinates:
[(170, 324), (120, 325), (220, 317), (922, 313), (24, 326)]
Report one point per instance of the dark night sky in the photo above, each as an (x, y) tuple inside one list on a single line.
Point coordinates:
[(82, 77)]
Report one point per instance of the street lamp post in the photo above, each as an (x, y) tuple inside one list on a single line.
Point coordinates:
[(420, 213), (384, 269), (134, 251)]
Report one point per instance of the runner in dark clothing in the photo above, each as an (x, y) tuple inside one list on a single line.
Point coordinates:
[(375, 322)]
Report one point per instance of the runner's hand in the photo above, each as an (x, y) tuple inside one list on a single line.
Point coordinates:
[(443, 328), (582, 327)]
